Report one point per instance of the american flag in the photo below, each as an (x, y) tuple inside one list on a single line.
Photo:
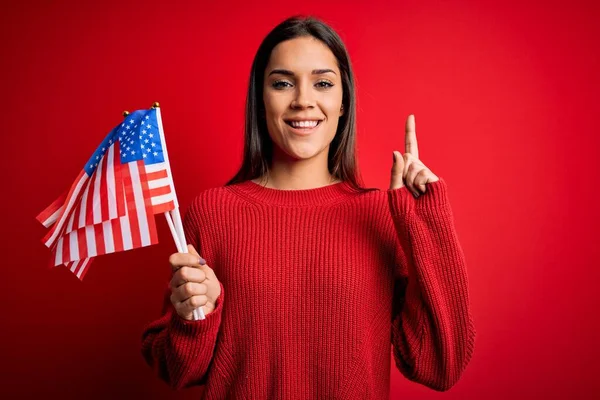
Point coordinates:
[(111, 205)]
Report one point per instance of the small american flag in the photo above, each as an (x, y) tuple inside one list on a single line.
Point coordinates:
[(111, 205)]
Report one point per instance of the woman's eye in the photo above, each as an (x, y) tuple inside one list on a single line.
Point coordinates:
[(324, 84), (281, 84), (284, 84)]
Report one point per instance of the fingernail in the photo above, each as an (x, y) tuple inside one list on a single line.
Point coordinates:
[(201, 261)]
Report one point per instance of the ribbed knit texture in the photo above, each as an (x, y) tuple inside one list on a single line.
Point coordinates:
[(316, 286)]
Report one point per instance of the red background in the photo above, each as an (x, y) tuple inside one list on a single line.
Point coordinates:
[(506, 104)]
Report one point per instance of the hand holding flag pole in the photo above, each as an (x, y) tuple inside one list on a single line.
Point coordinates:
[(112, 203)]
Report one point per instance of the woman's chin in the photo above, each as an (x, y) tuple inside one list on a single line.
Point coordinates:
[(295, 150), (303, 154)]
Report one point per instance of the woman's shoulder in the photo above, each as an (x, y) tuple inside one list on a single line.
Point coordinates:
[(369, 196), (211, 196)]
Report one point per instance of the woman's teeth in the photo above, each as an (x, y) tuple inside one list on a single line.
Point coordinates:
[(304, 124)]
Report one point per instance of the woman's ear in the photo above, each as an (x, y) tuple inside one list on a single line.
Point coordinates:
[(342, 110)]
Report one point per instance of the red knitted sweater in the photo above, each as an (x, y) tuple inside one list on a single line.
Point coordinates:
[(318, 286)]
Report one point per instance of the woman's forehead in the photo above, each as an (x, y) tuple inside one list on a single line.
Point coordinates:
[(302, 55)]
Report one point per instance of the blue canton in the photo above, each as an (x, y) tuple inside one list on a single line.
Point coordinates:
[(139, 138)]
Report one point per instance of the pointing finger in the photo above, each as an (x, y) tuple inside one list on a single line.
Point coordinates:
[(410, 140)]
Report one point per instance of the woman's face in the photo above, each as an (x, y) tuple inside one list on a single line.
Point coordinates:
[(303, 97)]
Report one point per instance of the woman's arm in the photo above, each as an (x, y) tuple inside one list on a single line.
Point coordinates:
[(180, 351), (433, 334)]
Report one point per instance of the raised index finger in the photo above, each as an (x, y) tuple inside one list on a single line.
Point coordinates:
[(410, 140)]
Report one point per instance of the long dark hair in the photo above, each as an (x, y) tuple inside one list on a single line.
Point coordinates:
[(258, 146)]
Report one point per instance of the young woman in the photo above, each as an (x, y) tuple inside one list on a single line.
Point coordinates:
[(306, 277)]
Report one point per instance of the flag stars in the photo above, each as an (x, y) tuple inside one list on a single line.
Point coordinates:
[(138, 138)]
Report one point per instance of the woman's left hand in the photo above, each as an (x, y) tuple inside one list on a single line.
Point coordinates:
[(408, 169)]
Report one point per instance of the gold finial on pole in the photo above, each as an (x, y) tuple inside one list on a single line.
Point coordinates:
[(125, 114), (155, 104)]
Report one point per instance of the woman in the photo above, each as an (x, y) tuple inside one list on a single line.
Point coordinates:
[(305, 276)]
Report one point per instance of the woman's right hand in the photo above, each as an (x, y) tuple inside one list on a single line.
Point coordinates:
[(194, 284)]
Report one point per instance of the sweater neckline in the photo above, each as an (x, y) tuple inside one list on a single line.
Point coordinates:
[(295, 197)]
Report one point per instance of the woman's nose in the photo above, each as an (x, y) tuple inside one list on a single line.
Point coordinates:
[(303, 97)]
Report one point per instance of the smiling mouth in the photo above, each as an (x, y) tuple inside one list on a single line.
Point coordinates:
[(303, 125)]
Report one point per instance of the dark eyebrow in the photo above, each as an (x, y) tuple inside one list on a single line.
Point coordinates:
[(290, 73)]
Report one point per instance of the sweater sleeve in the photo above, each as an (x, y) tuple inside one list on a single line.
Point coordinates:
[(433, 333), (179, 351)]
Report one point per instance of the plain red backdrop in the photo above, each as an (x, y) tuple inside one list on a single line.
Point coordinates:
[(506, 103)]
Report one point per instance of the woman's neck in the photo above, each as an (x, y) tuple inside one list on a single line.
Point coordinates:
[(297, 174)]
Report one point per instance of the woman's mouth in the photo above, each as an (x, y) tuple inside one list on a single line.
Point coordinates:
[(304, 126)]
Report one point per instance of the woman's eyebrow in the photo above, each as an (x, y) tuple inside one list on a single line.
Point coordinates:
[(290, 73)]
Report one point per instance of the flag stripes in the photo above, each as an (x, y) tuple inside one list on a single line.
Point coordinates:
[(160, 183), (137, 228), (52, 212)]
